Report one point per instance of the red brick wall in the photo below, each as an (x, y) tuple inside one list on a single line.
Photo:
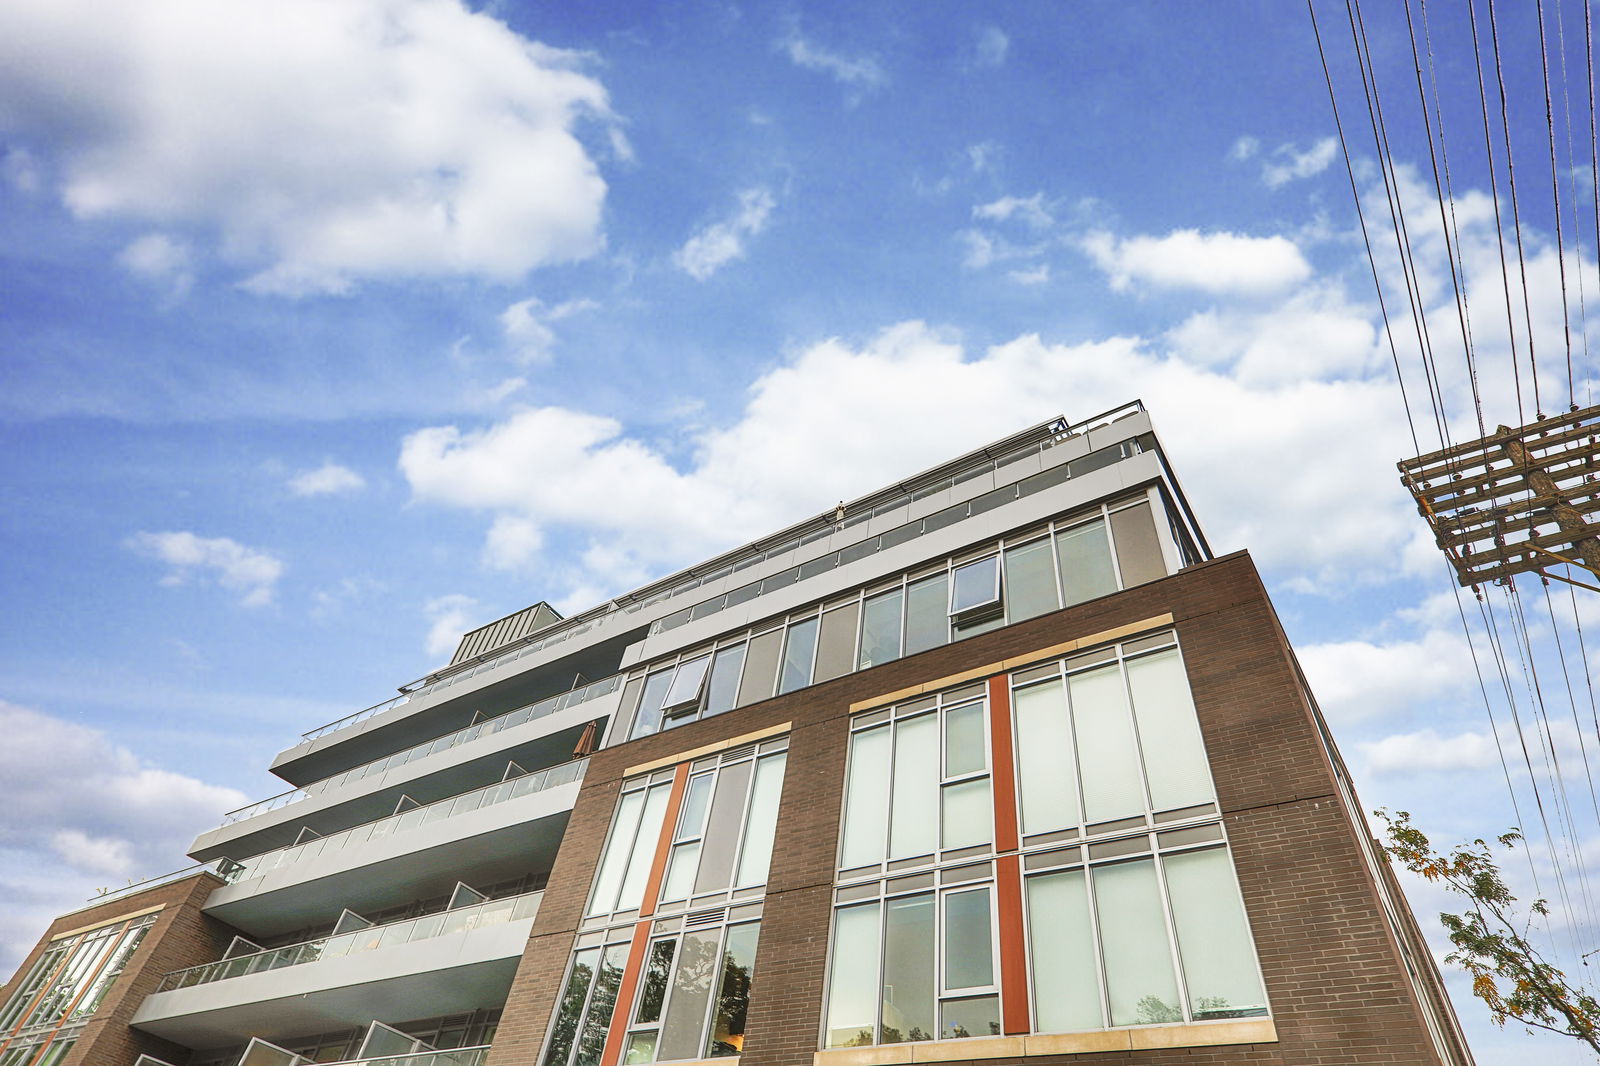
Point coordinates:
[(1334, 977), (180, 937)]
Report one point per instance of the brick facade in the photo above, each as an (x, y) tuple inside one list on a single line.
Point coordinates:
[(1334, 974)]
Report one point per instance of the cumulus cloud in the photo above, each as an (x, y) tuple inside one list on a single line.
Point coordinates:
[(449, 617), (329, 479), (72, 792), (84, 813), (318, 142), (724, 241), (1288, 163), (1425, 750), (527, 326), (235, 567), (991, 47), (857, 72), (1358, 679), (1244, 148), (909, 397), (1189, 259)]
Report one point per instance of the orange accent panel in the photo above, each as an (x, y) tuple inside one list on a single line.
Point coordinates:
[(669, 825), (1004, 770), (624, 1006), (1014, 1013)]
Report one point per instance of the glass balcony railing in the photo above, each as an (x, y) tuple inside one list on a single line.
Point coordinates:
[(499, 792), (488, 727), (442, 923), (466, 1056), (360, 716)]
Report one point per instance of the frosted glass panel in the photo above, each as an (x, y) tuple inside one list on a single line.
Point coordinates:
[(1219, 965), (1046, 769), (723, 689), (908, 976), (760, 667), (722, 829), (866, 804), (914, 817), (927, 615), (968, 940), (618, 849), (1030, 576), (853, 983), (1169, 732), (880, 629), (836, 645), (964, 749), (1138, 548), (756, 854), (1133, 940), (798, 651), (1085, 555), (644, 848), (968, 814), (1107, 756), (1066, 990)]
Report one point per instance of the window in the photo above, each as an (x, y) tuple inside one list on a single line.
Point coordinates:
[(697, 933), (975, 592), (1123, 891), (64, 987), (918, 782)]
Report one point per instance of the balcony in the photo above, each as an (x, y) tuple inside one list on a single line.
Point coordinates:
[(446, 962), (500, 831), (533, 736)]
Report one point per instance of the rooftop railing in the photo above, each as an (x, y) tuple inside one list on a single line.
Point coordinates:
[(105, 895), (441, 923), (499, 792), (487, 727), (718, 568)]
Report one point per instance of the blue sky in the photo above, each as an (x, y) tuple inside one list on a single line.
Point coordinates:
[(331, 329)]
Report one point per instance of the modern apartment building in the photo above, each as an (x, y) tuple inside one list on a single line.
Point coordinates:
[(995, 764)]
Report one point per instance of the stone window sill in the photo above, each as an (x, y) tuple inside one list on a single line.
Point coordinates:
[(1199, 1034)]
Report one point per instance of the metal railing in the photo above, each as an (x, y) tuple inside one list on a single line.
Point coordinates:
[(104, 895), (360, 716), (500, 791), (487, 727), (441, 923), (466, 1056)]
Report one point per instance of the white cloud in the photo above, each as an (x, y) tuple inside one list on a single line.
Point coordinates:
[(1358, 679), (329, 479), (859, 72), (83, 813), (1244, 148), (1288, 163), (1188, 259), (1030, 210), (1035, 276), (319, 141), (234, 566), (891, 405), (449, 617), (991, 47), (723, 241), (1425, 750), (527, 326), (158, 258)]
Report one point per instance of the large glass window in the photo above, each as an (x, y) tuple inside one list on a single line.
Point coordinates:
[(880, 628), (1086, 567), (66, 985), (1030, 578), (694, 995), (922, 770)]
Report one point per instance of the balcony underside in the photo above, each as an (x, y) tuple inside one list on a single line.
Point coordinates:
[(486, 845), (442, 975)]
